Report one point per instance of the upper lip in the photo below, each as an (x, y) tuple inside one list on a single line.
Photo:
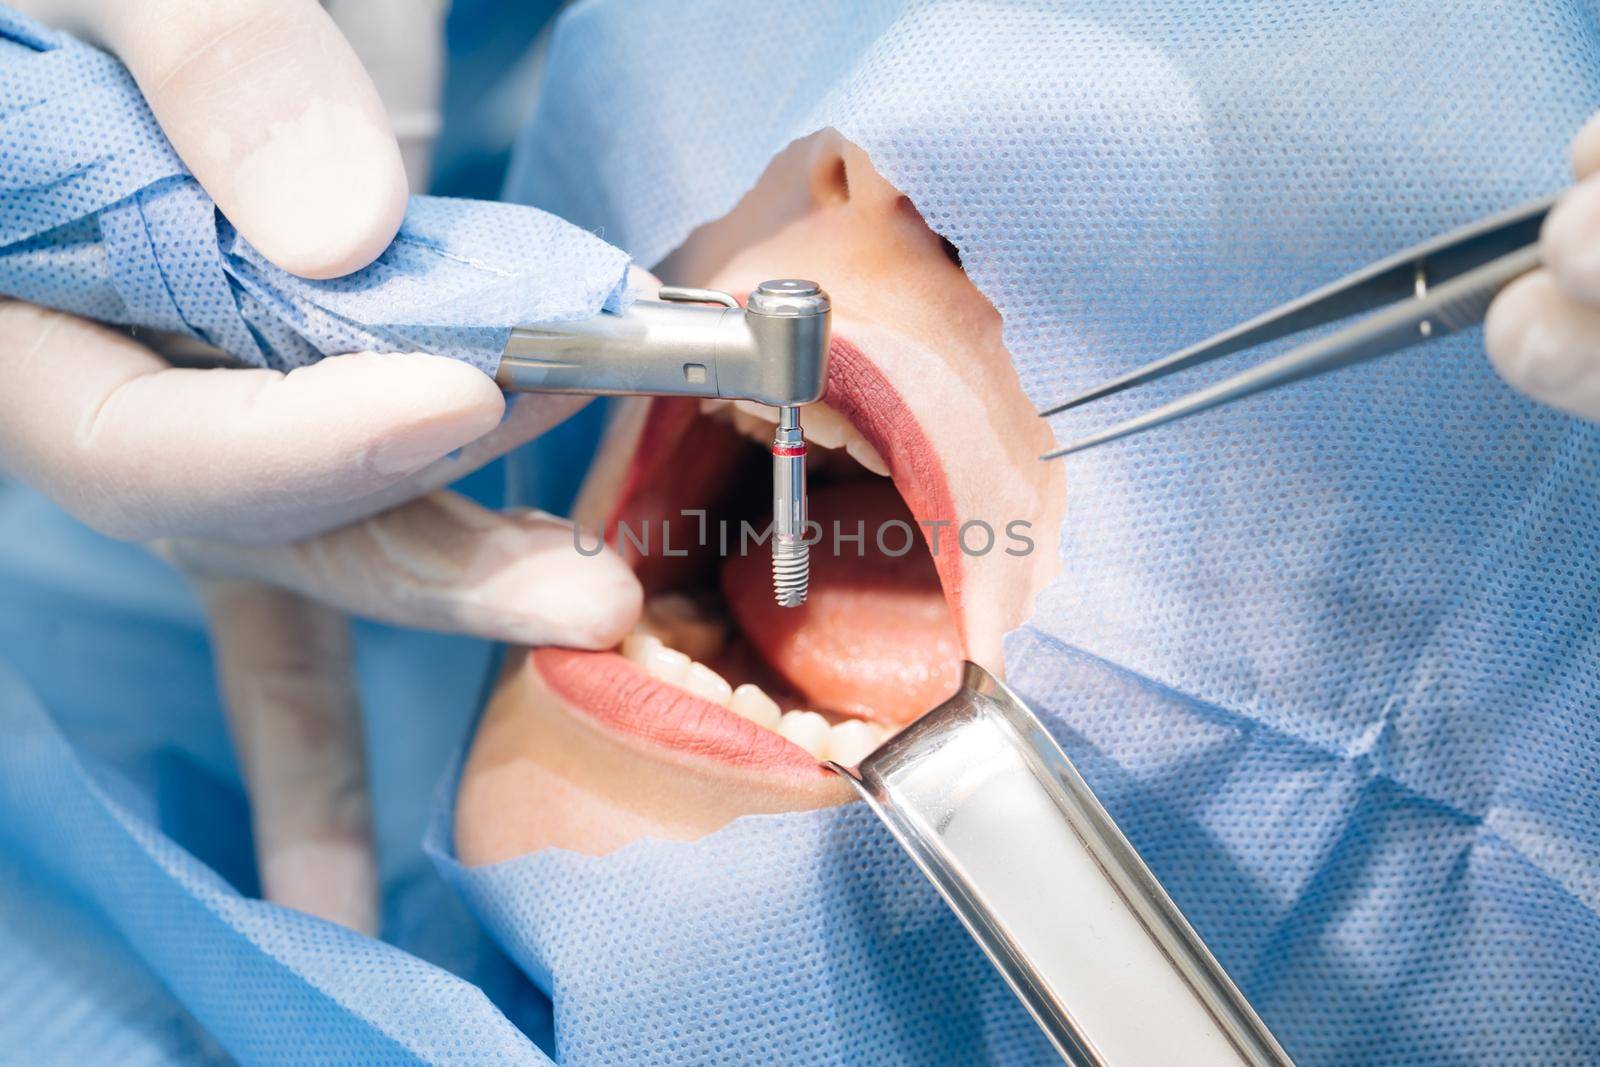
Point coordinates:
[(866, 398)]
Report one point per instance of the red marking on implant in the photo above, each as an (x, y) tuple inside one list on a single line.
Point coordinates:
[(788, 450)]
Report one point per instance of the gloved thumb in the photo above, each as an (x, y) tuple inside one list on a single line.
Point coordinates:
[(1546, 343), (443, 563), (140, 449)]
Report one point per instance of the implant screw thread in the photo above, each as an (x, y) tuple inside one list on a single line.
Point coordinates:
[(791, 556)]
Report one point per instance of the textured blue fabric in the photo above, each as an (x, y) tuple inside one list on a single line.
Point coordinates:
[(781, 939), (240, 966), (128, 932), (1331, 656), (98, 216)]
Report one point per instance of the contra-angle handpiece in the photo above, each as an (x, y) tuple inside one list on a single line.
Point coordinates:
[(774, 350)]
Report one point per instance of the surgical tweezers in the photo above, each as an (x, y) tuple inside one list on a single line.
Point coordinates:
[(1433, 289)]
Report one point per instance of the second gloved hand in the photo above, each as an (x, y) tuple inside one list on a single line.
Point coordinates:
[(277, 617), (1543, 331)]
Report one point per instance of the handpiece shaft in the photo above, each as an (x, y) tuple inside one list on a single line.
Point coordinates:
[(652, 349)]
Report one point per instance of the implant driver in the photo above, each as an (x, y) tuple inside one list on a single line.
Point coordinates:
[(791, 563)]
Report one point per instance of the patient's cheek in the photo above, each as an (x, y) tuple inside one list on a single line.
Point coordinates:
[(541, 775)]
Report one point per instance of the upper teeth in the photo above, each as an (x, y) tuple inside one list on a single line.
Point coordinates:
[(824, 427), (846, 742)]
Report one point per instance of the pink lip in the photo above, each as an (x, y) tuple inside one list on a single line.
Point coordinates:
[(624, 698), (858, 390), (620, 696)]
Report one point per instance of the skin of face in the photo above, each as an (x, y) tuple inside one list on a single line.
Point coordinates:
[(543, 775)]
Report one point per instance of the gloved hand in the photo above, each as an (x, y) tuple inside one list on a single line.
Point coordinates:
[(271, 490), (1543, 331)]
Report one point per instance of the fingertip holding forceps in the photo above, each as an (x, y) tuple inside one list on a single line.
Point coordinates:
[(1425, 292)]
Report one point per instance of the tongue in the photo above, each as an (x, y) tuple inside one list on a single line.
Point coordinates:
[(875, 638)]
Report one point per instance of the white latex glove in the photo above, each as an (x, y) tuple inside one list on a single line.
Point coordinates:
[(270, 489), (1543, 331), (269, 106)]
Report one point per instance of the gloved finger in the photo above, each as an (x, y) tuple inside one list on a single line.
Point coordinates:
[(269, 106), (1570, 240), (140, 449), (1546, 343), (288, 688), (1586, 149), (444, 563), (528, 415), (646, 284), (401, 45)]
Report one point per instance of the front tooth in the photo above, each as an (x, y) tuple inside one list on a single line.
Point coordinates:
[(823, 426), (751, 702), (851, 740), (638, 647), (710, 405), (863, 452), (806, 729), (668, 664), (707, 684)]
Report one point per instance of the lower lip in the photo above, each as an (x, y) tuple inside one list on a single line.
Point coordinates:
[(611, 690)]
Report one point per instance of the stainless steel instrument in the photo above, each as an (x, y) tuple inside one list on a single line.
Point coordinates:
[(1000, 821), (1425, 292), (774, 350)]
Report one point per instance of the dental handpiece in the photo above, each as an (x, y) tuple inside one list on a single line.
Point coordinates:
[(774, 351)]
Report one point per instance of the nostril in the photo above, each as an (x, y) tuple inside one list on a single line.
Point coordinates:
[(908, 210), (840, 178), (951, 252), (830, 180)]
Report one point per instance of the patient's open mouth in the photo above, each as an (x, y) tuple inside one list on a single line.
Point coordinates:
[(716, 668)]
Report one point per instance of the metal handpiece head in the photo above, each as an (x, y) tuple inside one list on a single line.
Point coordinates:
[(789, 320), (774, 350)]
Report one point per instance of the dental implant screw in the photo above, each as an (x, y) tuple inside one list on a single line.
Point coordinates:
[(791, 556)]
